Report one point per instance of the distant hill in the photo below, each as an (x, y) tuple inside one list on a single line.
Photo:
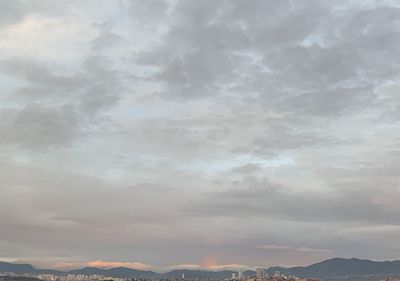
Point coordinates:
[(332, 269), (342, 268), (118, 272), (249, 273), (26, 269), (16, 268), (204, 274)]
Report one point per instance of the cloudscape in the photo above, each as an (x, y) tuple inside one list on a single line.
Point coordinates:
[(200, 134)]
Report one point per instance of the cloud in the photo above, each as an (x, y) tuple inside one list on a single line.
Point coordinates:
[(184, 266), (55, 109), (111, 264), (199, 128), (290, 248), (228, 267), (260, 197), (36, 127), (212, 267)]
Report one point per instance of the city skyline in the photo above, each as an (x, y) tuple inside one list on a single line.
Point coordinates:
[(202, 134), (337, 265)]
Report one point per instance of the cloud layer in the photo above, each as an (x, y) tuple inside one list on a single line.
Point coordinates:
[(213, 134)]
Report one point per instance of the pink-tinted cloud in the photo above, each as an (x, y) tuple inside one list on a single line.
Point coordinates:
[(212, 267), (111, 264)]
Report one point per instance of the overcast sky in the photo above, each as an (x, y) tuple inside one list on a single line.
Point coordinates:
[(199, 133)]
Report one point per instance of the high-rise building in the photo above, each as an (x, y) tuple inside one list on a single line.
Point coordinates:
[(260, 272), (240, 274), (233, 275)]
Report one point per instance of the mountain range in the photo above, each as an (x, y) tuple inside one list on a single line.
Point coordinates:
[(332, 269), (340, 268)]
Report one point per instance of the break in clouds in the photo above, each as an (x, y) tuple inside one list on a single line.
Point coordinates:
[(205, 134)]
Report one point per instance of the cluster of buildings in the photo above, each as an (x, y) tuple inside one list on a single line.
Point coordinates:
[(261, 275), (78, 277), (69, 277)]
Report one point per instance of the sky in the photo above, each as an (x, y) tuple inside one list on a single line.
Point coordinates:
[(163, 134)]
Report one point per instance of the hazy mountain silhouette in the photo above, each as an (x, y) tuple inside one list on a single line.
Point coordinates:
[(119, 272), (198, 274), (340, 267), (16, 268), (25, 269), (336, 268)]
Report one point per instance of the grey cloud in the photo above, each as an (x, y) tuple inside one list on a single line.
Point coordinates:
[(205, 50), (12, 11), (290, 248), (210, 51), (246, 169), (35, 127), (148, 13), (105, 40), (87, 87), (39, 201), (56, 108), (281, 138), (203, 128), (356, 194)]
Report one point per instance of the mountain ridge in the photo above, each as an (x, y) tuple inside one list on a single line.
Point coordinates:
[(337, 268), (342, 267)]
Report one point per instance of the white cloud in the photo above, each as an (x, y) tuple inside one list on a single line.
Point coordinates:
[(290, 248)]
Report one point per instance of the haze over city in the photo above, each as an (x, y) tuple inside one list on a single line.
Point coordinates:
[(199, 134)]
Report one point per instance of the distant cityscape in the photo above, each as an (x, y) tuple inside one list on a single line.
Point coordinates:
[(261, 275), (335, 269)]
